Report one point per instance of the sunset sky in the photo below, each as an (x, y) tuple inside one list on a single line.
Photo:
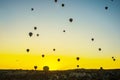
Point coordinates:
[(90, 20)]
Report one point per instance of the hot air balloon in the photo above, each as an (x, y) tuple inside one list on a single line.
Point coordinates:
[(92, 39), (114, 59), (27, 50), (30, 34), (77, 65), (35, 67), (77, 58), (43, 55), (54, 49), (71, 20), (63, 30), (58, 59), (37, 34), (112, 0), (46, 68), (99, 49), (35, 28), (55, 0), (32, 9), (62, 5), (106, 7), (101, 68)]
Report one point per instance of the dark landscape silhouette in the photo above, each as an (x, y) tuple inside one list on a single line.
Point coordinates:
[(75, 74)]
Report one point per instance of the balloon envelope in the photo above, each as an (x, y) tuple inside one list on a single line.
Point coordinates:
[(55, 0), (63, 5), (43, 55), (106, 7), (63, 30), (99, 49), (54, 49), (32, 9), (71, 20), (27, 50), (37, 34), (77, 58), (92, 39), (58, 59), (35, 28), (114, 59), (30, 34)]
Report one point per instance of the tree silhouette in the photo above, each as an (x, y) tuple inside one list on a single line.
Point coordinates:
[(35, 67)]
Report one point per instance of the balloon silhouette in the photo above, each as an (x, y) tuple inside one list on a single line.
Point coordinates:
[(54, 49), (35, 28), (77, 65), (77, 58), (101, 68), (63, 5), (112, 0), (114, 59), (43, 55), (92, 39), (35, 67), (30, 34), (71, 20), (106, 7), (27, 50), (55, 0), (37, 34), (64, 31), (58, 59), (45, 68), (99, 49), (32, 9)]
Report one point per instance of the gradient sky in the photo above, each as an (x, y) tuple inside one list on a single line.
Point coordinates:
[(90, 20)]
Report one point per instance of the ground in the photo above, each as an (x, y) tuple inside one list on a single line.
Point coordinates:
[(76, 74)]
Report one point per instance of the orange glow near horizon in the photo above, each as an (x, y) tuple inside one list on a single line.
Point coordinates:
[(28, 62)]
